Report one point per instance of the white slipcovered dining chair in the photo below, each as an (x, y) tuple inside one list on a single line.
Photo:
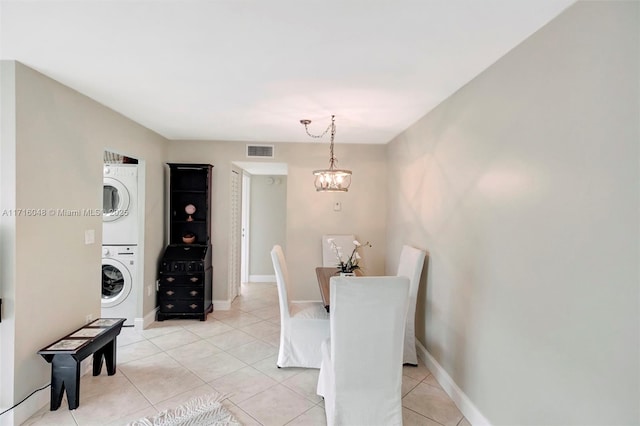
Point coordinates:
[(303, 326), (361, 374), (410, 266), (345, 242)]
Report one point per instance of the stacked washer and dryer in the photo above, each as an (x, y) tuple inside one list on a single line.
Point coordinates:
[(120, 242)]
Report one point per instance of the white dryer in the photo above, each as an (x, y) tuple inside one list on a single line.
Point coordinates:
[(119, 204), (119, 278)]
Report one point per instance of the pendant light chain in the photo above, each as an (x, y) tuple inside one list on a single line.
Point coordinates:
[(333, 158), (331, 179), (306, 128)]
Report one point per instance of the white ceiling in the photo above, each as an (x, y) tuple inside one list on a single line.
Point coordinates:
[(249, 70)]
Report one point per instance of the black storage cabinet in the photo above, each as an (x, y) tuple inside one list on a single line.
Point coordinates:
[(185, 273)]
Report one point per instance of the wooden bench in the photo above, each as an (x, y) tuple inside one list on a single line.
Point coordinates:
[(66, 354)]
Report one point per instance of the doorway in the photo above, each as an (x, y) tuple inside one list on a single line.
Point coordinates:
[(262, 219)]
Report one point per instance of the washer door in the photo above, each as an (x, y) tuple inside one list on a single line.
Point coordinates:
[(115, 200), (116, 283)]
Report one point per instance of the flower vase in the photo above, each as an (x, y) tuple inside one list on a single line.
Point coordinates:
[(347, 274)]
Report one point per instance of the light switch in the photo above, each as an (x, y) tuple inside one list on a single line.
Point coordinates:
[(89, 236), (337, 206)]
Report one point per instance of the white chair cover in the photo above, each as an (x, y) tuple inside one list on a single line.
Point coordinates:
[(328, 253), (361, 374), (303, 326), (410, 266)]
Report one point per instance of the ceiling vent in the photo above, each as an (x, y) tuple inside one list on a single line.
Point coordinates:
[(260, 151)]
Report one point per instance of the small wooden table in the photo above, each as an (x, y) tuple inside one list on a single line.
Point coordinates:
[(97, 338), (324, 275)]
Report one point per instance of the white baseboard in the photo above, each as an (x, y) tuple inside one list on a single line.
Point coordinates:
[(221, 305), (142, 323), (462, 401), (262, 278)]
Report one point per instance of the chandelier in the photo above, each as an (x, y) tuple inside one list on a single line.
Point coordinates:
[(331, 179)]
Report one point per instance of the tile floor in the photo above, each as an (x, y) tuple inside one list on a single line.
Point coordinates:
[(232, 353)]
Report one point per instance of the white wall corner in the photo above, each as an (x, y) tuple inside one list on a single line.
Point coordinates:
[(221, 305), (143, 323), (462, 401)]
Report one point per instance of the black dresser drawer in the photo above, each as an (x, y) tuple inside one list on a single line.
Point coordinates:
[(182, 279), (178, 292), (182, 306)]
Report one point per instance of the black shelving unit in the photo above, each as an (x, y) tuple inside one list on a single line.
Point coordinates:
[(185, 273), (190, 186)]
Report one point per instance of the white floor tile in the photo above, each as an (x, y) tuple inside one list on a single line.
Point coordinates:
[(262, 407), (104, 399), (253, 352), (240, 319), (136, 350), (215, 366), (174, 339), (232, 353), (408, 384), (305, 384), (160, 377), (268, 366), (315, 416), (261, 328), (411, 418), (44, 417), (180, 399), (128, 336), (231, 339), (192, 352), (242, 416), (433, 403), (126, 419), (242, 384)]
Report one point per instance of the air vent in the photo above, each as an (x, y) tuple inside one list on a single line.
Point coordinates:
[(261, 151)]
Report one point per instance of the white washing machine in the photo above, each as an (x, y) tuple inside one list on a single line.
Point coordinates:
[(120, 199), (119, 278)]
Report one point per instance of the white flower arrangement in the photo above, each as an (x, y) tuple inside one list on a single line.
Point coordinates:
[(352, 263)]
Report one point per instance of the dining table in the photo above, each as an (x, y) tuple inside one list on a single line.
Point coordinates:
[(324, 274)]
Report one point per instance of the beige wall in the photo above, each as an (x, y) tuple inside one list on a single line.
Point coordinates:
[(60, 139), (523, 187), (309, 214), (268, 221)]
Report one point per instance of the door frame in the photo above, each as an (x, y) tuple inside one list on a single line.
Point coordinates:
[(246, 229)]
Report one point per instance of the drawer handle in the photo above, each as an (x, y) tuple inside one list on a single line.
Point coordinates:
[(169, 306), (171, 279), (194, 279), (170, 293), (193, 306), (193, 292)]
